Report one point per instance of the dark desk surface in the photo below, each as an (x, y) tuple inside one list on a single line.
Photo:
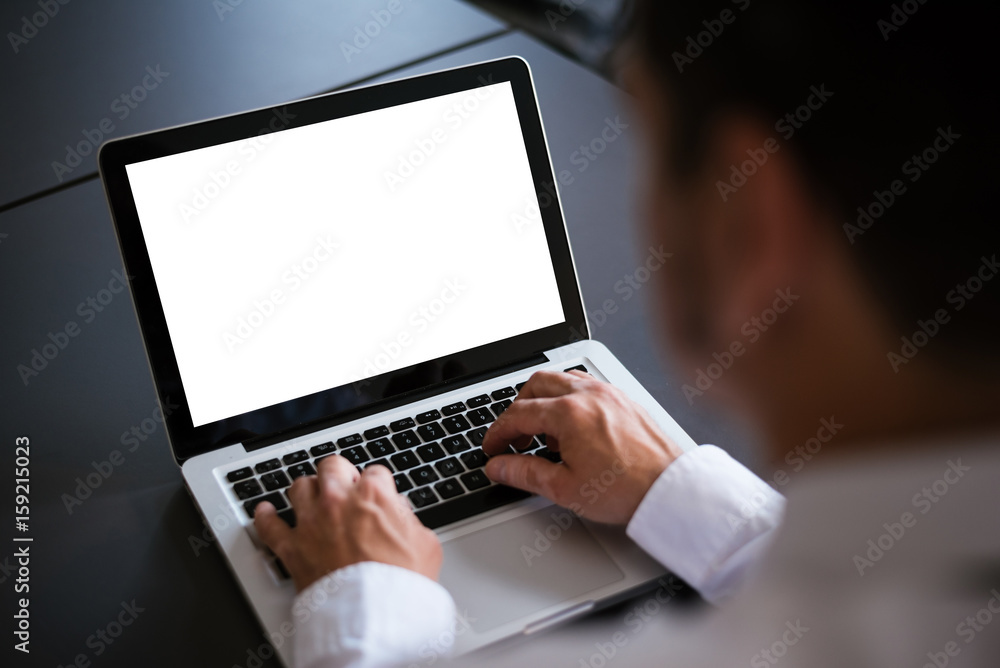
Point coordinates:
[(137, 535), (70, 74)]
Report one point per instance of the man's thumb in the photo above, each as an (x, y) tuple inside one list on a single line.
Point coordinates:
[(532, 474)]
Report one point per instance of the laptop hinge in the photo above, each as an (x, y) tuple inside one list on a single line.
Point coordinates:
[(258, 442)]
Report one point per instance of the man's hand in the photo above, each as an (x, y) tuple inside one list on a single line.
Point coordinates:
[(612, 451), (342, 518)]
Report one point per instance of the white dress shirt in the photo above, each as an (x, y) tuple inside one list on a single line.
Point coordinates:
[(706, 518), (888, 556)]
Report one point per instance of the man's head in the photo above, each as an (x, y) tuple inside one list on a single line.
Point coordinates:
[(822, 175)]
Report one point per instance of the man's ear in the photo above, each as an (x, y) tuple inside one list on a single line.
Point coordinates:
[(760, 228)]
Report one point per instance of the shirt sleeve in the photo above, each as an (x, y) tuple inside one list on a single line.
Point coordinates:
[(709, 520), (372, 614)]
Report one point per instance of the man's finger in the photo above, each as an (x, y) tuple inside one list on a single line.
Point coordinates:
[(404, 508), (532, 474), (303, 490), (548, 384), (522, 443), (335, 473), (376, 480), (524, 417), (272, 529)]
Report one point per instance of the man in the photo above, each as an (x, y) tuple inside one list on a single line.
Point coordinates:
[(822, 176)]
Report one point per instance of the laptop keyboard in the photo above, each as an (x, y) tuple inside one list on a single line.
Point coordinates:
[(435, 456)]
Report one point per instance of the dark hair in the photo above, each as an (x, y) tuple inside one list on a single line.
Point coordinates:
[(899, 73)]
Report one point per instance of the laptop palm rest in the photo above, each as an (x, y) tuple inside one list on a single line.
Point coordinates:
[(517, 568)]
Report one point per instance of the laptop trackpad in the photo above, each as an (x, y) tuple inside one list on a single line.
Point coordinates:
[(530, 563)]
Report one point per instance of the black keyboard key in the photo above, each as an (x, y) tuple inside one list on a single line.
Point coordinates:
[(355, 455), (452, 409), (548, 454), (269, 465), (431, 432), (456, 424), (380, 448), (578, 367), (423, 475), (405, 460), (503, 393), (276, 480), (380, 462), (475, 459), (289, 516), (480, 416), (475, 479), (405, 423), (476, 402), (376, 432), (449, 467), (429, 416), (322, 449), (476, 436), (349, 441), (405, 439), (520, 385), (246, 489), (299, 470), (448, 489), (294, 457), (455, 444), (239, 474), (402, 483), (276, 499), (423, 497), (541, 438), (430, 452), (500, 406)]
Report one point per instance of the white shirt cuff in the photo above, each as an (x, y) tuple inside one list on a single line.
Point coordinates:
[(709, 520), (372, 614)]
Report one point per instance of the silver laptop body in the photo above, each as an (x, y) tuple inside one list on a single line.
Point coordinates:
[(372, 273)]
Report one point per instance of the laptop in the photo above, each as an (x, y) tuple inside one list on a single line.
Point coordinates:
[(373, 273)]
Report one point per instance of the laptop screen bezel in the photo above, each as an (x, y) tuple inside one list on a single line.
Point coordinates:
[(187, 440)]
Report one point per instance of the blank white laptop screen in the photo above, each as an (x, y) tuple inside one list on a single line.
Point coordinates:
[(310, 258)]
